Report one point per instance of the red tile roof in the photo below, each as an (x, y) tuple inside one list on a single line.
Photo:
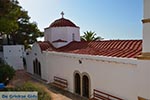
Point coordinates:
[(113, 48), (59, 40), (62, 22), (45, 45)]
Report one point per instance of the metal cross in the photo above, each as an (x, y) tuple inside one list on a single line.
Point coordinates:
[(62, 13)]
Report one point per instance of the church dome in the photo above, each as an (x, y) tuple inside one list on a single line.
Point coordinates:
[(62, 22)]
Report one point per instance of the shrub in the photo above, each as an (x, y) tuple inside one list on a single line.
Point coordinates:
[(6, 73), (31, 86)]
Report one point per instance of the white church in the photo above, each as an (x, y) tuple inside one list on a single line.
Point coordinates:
[(118, 67)]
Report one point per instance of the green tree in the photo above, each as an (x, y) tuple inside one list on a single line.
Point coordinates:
[(90, 36), (6, 73), (9, 13), (14, 22)]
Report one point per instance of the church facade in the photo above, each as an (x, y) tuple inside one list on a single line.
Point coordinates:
[(117, 67)]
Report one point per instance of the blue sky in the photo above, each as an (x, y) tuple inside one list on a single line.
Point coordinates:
[(110, 19)]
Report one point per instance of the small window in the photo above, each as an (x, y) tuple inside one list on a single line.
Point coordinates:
[(9, 50), (80, 62), (73, 37)]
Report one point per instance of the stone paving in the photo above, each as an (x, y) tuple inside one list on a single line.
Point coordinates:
[(69, 95), (56, 93)]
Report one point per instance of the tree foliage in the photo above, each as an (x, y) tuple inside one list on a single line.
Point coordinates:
[(6, 73), (14, 22), (90, 36), (9, 13)]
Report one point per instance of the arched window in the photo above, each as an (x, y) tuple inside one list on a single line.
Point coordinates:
[(77, 84), (24, 63), (37, 67), (85, 86), (33, 66), (82, 84)]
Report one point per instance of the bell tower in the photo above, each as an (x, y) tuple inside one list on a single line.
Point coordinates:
[(146, 31)]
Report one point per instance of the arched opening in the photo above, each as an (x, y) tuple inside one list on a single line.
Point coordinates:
[(24, 63), (77, 84), (37, 67), (85, 86), (34, 66)]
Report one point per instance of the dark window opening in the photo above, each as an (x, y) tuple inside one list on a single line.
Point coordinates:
[(85, 86), (77, 84), (73, 37), (37, 67)]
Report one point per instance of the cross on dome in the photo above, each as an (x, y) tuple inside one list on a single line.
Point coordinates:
[(62, 13)]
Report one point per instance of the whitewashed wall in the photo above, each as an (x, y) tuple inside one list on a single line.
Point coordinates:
[(13, 55), (29, 63), (143, 76), (146, 9), (119, 77), (59, 44), (32, 55), (64, 33), (146, 26)]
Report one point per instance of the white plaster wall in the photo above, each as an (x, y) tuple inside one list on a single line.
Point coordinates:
[(33, 54), (143, 75), (59, 44), (146, 9), (146, 35), (13, 55), (64, 33), (58, 33), (119, 77), (47, 32), (146, 27), (71, 31), (29, 63)]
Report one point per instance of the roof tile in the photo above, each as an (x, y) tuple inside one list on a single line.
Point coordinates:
[(113, 48)]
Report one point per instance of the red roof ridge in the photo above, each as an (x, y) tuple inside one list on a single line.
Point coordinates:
[(44, 45), (59, 40), (62, 22)]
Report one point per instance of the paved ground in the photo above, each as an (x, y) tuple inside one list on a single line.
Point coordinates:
[(57, 94)]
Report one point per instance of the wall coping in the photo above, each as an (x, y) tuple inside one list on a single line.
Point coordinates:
[(130, 61)]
